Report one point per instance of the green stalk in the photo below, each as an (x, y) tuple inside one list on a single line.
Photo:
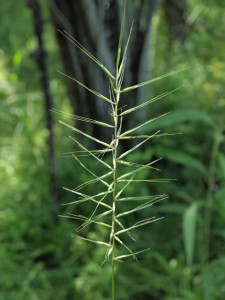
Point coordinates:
[(114, 154)]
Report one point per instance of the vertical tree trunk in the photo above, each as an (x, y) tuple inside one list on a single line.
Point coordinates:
[(96, 25), (175, 16), (40, 58)]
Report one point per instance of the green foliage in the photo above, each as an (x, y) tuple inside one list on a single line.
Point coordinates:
[(31, 246)]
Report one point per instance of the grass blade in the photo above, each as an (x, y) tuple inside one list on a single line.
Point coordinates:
[(86, 52), (120, 40), (147, 180), (136, 165), (83, 119), (85, 134), (125, 186), (137, 170), (143, 136), (122, 65), (89, 171), (141, 198), (127, 255), (144, 222), (121, 225), (125, 246), (83, 218), (140, 207), (143, 124), (150, 81), (87, 88), (87, 198), (91, 154), (92, 220), (143, 104), (92, 241), (148, 102), (137, 146), (85, 153), (81, 186)]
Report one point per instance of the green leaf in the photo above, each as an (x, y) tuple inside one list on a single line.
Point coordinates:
[(182, 158), (189, 231), (179, 117), (221, 158), (207, 284)]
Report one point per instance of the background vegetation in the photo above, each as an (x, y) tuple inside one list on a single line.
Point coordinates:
[(39, 258)]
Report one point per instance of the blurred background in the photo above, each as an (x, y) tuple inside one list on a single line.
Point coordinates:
[(39, 257)]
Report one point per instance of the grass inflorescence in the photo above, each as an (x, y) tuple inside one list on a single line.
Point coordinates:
[(110, 204)]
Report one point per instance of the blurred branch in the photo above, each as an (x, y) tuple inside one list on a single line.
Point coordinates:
[(40, 58)]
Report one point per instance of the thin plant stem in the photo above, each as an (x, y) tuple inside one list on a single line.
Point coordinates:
[(114, 155)]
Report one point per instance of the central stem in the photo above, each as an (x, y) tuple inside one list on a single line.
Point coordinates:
[(116, 143)]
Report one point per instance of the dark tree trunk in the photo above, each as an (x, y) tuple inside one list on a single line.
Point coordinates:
[(96, 24), (175, 16), (40, 57)]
